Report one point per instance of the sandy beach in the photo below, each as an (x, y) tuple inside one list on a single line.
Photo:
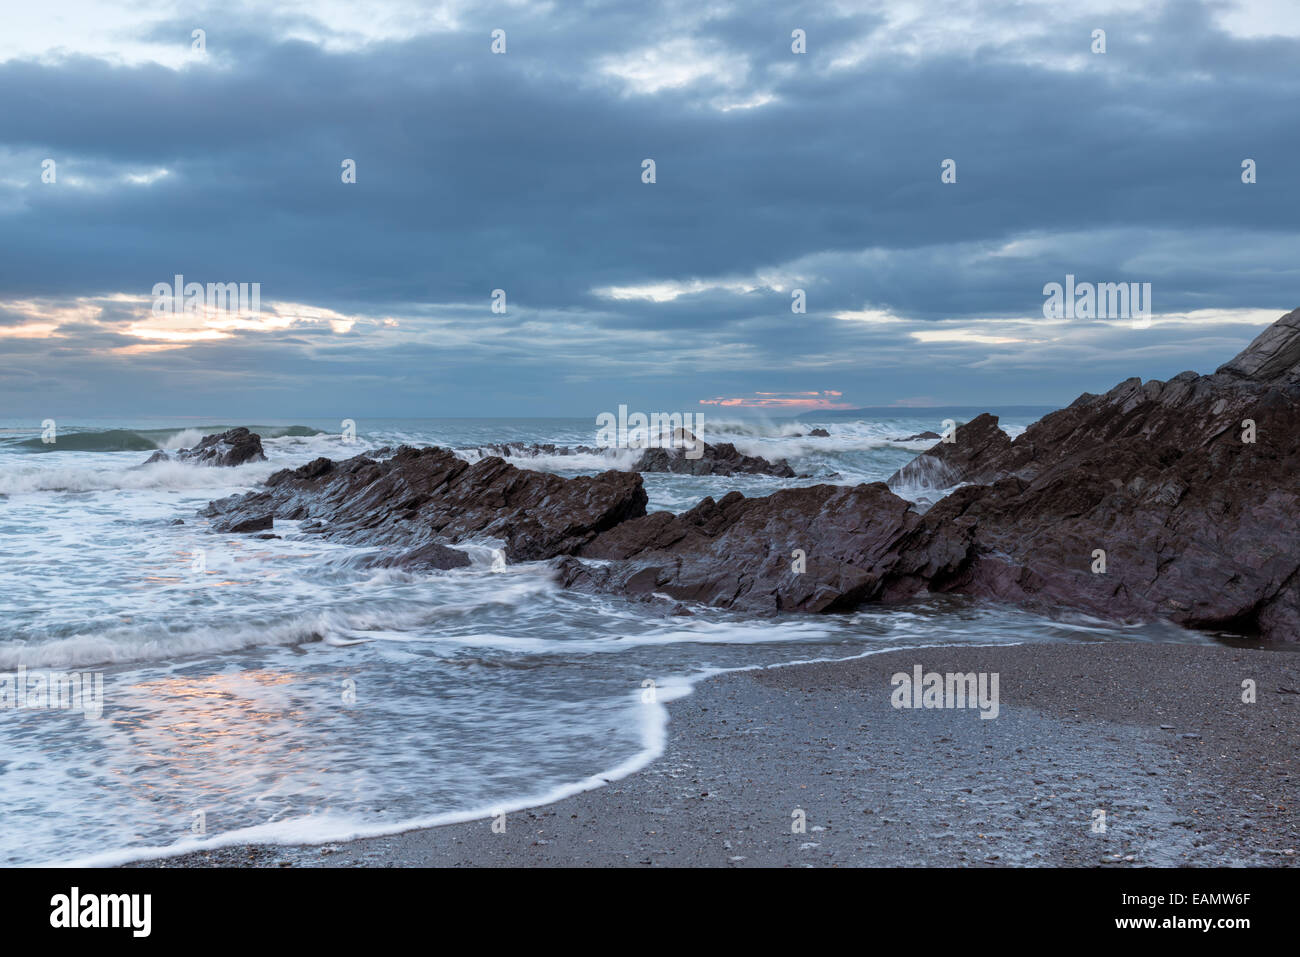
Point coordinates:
[(1155, 735)]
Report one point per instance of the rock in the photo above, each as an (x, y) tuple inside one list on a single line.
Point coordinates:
[(1273, 357), (226, 449), (823, 434), (251, 523), (738, 552), (720, 459), (1194, 521), (429, 555), (919, 437), (430, 495)]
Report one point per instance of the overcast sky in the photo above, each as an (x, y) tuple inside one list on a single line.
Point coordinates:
[(522, 171)]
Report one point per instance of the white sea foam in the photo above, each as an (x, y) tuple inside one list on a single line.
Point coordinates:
[(605, 459), (18, 479), (184, 439)]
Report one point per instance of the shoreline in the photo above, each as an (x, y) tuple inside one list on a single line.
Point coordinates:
[(1079, 730)]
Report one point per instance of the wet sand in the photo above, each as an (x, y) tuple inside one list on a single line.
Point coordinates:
[(1155, 735)]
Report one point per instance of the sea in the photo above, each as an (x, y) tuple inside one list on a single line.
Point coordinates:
[(275, 691)]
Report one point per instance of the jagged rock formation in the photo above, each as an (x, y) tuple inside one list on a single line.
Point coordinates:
[(1188, 486), (1274, 356), (428, 495)]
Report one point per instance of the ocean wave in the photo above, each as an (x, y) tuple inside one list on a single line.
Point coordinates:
[(132, 645), (925, 480), (400, 620), (146, 440), (758, 427), (109, 440), (797, 441)]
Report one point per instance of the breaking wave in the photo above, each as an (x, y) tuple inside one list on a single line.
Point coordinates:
[(145, 440)]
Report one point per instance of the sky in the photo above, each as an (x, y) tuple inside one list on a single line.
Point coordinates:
[(129, 155)]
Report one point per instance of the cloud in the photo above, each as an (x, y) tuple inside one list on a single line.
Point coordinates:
[(776, 171), (799, 401)]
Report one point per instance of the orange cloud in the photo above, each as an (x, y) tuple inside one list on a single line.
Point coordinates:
[(782, 400)]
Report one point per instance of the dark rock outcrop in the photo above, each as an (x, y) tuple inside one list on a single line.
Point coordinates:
[(250, 523), (741, 552), (419, 496), (1188, 487), (720, 459), (422, 557), (229, 448), (1274, 356), (920, 436), (821, 434)]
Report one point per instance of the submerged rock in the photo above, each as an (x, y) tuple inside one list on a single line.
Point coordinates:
[(429, 555), (229, 448)]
